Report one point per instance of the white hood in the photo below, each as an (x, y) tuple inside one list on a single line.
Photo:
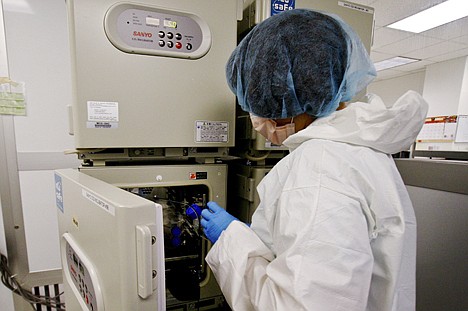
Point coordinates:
[(389, 129)]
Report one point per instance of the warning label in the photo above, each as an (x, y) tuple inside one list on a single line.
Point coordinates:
[(103, 115), (211, 132)]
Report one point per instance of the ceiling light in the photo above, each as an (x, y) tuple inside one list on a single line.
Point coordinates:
[(437, 15), (394, 62)]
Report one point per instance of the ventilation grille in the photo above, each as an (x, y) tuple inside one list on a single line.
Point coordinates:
[(54, 291)]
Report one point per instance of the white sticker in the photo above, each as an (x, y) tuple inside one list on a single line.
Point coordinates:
[(211, 132), (103, 115), (103, 111), (462, 130), (99, 202), (102, 125), (58, 192), (356, 7)]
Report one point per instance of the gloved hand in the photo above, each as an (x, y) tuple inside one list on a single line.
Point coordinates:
[(214, 220)]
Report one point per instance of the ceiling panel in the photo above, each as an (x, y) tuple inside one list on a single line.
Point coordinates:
[(410, 44), (385, 36), (377, 56), (436, 45), (449, 31), (462, 39), (436, 50), (450, 55)]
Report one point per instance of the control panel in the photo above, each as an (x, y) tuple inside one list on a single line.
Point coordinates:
[(139, 29), (81, 275)]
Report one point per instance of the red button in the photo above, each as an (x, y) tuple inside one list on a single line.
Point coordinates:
[(178, 45)]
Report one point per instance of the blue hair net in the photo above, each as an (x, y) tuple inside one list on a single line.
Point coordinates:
[(298, 61)]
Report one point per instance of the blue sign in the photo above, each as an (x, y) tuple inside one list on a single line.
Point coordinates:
[(278, 6), (58, 192)]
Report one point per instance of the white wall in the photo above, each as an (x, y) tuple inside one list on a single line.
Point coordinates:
[(5, 295), (445, 87), (38, 54), (6, 298), (37, 43), (391, 89), (463, 107)]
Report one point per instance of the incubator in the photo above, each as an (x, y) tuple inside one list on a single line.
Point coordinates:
[(151, 116), (154, 121)]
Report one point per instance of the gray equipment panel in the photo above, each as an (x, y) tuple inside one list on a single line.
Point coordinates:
[(128, 94), (439, 192)]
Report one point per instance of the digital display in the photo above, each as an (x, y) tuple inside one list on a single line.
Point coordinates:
[(152, 21), (171, 24)]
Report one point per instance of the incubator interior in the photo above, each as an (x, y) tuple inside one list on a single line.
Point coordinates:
[(184, 245)]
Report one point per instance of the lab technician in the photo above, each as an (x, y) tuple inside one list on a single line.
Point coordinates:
[(335, 229)]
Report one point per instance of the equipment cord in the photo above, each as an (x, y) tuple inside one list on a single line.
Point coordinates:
[(10, 281)]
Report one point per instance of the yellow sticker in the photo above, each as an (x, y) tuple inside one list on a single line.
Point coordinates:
[(12, 97)]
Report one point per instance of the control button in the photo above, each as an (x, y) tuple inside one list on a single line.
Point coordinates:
[(161, 34), (170, 35), (162, 43), (188, 46), (178, 36), (170, 44), (178, 45)]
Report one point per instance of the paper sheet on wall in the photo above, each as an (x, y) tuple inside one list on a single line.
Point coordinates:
[(462, 130), (12, 97), (441, 128)]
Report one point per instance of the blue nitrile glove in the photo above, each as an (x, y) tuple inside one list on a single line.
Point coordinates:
[(214, 220)]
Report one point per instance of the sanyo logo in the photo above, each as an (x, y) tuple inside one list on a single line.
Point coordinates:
[(142, 34)]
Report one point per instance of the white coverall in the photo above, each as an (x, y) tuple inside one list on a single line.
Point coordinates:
[(335, 229)]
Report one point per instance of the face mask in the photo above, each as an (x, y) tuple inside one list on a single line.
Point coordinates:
[(268, 128)]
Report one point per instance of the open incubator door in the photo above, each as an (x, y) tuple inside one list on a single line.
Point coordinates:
[(112, 246), (131, 236)]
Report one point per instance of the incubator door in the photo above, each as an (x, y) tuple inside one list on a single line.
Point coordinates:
[(112, 246), (131, 236)]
